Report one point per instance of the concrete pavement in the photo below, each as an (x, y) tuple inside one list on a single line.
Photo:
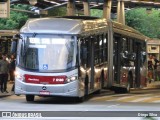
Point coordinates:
[(9, 88)]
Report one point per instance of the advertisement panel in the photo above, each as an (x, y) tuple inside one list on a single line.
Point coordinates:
[(4, 8)]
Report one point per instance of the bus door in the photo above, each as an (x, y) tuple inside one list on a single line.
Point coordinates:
[(87, 62), (92, 60), (117, 58), (137, 49)]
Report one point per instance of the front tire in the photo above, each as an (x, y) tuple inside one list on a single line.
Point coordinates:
[(102, 80), (81, 99), (29, 98), (86, 86)]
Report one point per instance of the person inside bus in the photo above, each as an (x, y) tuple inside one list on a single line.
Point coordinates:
[(4, 69)]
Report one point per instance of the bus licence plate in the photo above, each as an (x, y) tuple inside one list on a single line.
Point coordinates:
[(44, 93)]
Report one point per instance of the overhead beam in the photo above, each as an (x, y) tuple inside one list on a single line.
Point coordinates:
[(26, 11), (54, 6)]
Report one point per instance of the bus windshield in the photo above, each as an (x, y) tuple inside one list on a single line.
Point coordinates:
[(47, 52)]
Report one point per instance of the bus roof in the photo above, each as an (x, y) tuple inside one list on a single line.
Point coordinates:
[(73, 25), (128, 31), (62, 25)]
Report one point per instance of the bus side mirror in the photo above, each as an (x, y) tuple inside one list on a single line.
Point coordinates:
[(128, 56), (132, 56), (13, 47)]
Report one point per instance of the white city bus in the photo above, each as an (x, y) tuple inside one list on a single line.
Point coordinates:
[(76, 56)]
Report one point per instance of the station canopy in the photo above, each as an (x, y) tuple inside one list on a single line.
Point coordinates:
[(94, 4)]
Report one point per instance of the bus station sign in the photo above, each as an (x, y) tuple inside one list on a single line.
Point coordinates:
[(4, 9)]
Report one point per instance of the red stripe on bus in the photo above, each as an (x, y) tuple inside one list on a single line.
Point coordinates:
[(44, 79)]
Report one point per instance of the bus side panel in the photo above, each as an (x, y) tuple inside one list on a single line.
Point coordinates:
[(105, 75), (124, 76)]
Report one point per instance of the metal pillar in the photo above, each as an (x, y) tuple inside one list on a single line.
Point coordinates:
[(70, 8), (86, 7), (107, 9), (120, 12)]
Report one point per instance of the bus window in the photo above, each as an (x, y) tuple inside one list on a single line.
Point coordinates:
[(117, 57), (105, 47), (100, 49), (127, 54), (143, 54), (47, 52), (96, 50), (84, 52)]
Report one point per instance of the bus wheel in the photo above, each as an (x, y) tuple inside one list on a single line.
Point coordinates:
[(86, 86), (29, 98), (102, 80), (81, 99)]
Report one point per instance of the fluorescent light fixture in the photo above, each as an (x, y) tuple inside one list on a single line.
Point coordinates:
[(148, 2), (157, 3), (134, 1), (33, 2), (52, 2)]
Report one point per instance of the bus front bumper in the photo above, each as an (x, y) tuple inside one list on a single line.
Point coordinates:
[(68, 90)]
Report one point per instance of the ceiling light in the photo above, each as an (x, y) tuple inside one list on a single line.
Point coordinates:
[(32, 2)]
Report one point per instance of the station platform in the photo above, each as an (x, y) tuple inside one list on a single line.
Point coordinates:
[(152, 85), (9, 88)]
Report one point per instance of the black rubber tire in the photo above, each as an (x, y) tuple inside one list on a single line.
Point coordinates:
[(29, 98)]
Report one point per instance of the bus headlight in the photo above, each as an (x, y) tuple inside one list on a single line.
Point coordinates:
[(70, 79), (18, 76)]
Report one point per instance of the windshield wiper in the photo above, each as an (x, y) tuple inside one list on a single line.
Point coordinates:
[(34, 34)]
